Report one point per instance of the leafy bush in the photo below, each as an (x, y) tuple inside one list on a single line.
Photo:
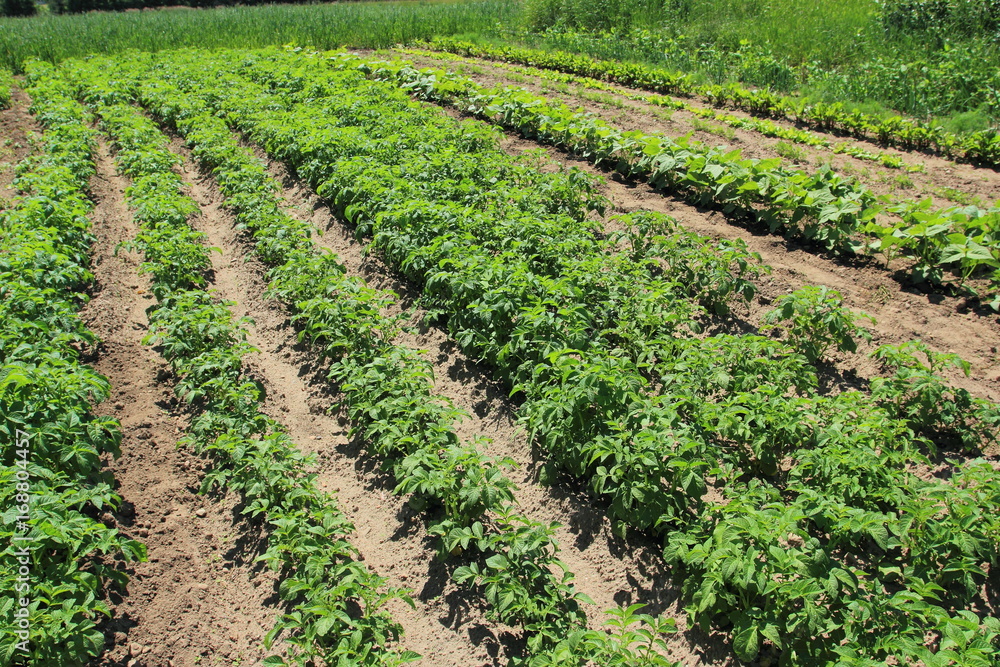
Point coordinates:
[(942, 17)]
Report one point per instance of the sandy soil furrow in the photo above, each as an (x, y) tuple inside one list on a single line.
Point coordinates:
[(200, 598), (610, 570), (17, 129), (447, 626)]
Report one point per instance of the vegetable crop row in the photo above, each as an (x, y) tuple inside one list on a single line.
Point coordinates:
[(525, 322), (824, 544), (981, 147), (336, 605), (762, 126), (58, 559), (839, 214), (389, 400)]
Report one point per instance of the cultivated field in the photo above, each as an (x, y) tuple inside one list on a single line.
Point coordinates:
[(465, 352)]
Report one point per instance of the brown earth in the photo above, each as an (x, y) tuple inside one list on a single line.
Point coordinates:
[(17, 129), (200, 598)]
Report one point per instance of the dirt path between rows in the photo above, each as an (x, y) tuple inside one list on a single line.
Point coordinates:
[(448, 627), (443, 627), (17, 130), (200, 598)]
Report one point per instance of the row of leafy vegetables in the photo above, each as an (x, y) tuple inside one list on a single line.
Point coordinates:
[(764, 126), (982, 147), (335, 608), (57, 559), (956, 247), (794, 518)]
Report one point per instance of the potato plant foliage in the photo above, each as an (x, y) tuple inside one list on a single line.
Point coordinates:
[(944, 247), (387, 396), (793, 519), (52, 443), (817, 539)]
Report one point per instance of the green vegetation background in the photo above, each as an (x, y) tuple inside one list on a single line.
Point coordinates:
[(933, 59), (928, 58)]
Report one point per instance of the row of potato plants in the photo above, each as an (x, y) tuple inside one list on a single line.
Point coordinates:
[(981, 147), (843, 554), (59, 560), (762, 126), (311, 91), (336, 607), (988, 413), (838, 214), (388, 396)]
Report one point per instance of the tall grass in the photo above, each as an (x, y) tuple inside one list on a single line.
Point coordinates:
[(795, 29), (935, 59), (375, 24), (832, 33)]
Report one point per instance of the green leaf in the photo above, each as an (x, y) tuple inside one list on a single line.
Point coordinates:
[(746, 642)]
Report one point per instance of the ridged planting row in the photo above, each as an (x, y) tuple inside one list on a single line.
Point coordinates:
[(58, 560), (762, 126), (978, 147), (392, 409), (822, 543), (837, 214), (335, 605)]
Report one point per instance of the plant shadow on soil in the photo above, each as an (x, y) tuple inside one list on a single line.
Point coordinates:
[(586, 514), (377, 475)]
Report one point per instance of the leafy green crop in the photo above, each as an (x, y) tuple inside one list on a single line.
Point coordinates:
[(51, 480), (822, 207), (387, 398), (982, 147), (792, 519), (816, 321)]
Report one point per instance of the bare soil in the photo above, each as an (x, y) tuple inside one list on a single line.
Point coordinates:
[(200, 598), (17, 129)]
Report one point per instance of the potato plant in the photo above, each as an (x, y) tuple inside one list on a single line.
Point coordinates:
[(59, 561), (387, 398), (253, 455), (836, 214), (793, 518), (982, 147)]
